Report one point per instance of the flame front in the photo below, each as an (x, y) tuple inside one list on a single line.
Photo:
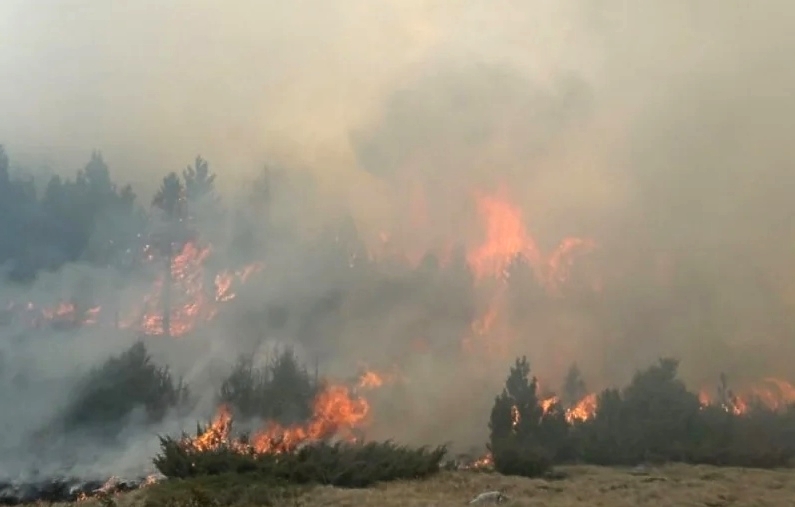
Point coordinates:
[(771, 393), (583, 409), (336, 414), (506, 240), (195, 300)]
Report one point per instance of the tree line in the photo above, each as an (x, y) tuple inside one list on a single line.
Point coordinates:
[(654, 419)]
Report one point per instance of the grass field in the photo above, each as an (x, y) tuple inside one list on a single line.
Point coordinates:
[(673, 485)]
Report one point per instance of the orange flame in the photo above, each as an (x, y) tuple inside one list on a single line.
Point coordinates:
[(772, 393), (507, 239), (193, 301), (583, 410), (370, 379), (336, 413)]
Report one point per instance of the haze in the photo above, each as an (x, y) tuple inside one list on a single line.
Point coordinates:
[(661, 130)]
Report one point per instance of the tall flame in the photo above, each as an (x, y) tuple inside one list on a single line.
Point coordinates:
[(507, 239), (336, 413)]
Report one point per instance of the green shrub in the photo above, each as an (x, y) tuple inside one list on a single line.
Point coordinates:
[(760, 437), (516, 456), (108, 394), (653, 419), (340, 464), (523, 439), (226, 490), (282, 390)]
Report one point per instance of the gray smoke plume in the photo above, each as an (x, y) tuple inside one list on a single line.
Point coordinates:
[(658, 130)]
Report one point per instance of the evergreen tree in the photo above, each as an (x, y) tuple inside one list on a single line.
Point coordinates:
[(520, 432), (199, 182), (170, 199)]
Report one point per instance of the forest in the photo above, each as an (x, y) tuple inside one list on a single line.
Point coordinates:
[(312, 428)]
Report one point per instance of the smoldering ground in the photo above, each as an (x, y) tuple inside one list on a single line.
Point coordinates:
[(658, 131)]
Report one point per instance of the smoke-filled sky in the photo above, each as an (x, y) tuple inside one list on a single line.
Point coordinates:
[(659, 129)]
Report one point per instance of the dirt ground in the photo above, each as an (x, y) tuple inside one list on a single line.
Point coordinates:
[(674, 485)]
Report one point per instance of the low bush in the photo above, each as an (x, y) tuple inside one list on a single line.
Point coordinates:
[(282, 390), (339, 464), (225, 490)]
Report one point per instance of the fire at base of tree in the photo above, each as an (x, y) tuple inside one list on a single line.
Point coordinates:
[(655, 419), (292, 427)]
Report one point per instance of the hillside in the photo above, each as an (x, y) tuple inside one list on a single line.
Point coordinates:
[(673, 485)]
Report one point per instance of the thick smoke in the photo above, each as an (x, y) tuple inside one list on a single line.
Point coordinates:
[(659, 130)]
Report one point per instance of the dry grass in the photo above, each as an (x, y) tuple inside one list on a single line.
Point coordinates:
[(673, 485)]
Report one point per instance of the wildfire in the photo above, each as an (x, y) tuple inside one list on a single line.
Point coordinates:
[(482, 463), (225, 280), (506, 239), (583, 409), (483, 330), (336, 413), (370, 379), (194, 299), (580, 411), (64, 313), (771, 393), (516, 417), (216, 434)]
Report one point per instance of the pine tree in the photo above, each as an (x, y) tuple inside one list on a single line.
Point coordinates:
[(170, 199), (517, 426)]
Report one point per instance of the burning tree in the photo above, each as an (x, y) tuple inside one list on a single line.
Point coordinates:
[(525, 437), (170, 199)]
